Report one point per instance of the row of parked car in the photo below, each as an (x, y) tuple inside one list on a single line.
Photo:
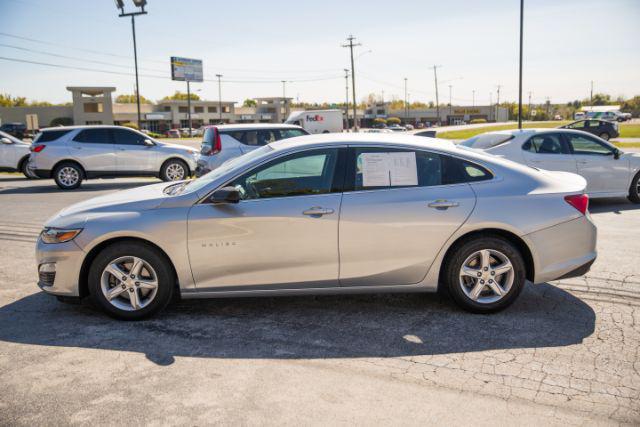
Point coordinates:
[(70, 155)]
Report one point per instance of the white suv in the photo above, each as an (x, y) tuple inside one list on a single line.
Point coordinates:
[(224, 142), (71, 154), (14, 155)]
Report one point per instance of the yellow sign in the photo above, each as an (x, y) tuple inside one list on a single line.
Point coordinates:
[(466, 111)]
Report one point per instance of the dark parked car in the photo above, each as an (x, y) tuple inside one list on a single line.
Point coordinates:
[(14, 129), (602, 128)]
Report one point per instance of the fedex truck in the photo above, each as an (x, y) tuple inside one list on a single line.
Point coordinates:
[(317, 121)]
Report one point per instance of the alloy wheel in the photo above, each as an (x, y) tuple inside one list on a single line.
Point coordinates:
[(68, 176), (129, 283), (175, 172), (486, 276)]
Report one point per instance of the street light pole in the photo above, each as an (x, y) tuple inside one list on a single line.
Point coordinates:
[(435, 76), (450, 105), (473, 98), (189, 107), (284, 82), (141, 4), (520, 77), (351, 45), (219, 76), (406, 114)]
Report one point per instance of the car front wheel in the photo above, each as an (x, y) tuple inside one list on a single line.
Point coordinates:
[(485, 274), (174, 170), (634, 189), (131, 280)]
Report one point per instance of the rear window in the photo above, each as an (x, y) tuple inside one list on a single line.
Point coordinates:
[(486, 141), (51, 135)]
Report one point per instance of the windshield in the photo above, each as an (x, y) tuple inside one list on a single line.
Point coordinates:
[(486, 141), (204, 180)]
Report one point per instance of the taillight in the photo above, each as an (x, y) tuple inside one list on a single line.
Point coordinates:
[(578, 201), (37, 148), (217, 143)]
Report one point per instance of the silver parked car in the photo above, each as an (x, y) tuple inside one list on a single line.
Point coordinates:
[(609, 171), (14, 155), (334, 213), (71, 154), (223, 142)]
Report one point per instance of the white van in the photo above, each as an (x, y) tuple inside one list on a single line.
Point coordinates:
[(317, 121)]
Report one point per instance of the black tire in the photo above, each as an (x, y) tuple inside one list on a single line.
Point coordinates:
[(169, 167), (23, 168), (466, 249), (64, 175), (605, 136), (159, 263), (634, 189)]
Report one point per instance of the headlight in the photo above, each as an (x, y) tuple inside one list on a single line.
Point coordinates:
[(59, 235)]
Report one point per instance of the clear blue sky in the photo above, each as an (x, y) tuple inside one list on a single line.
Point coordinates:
[(568, 43)]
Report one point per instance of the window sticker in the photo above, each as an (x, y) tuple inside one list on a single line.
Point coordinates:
[(389, 169)]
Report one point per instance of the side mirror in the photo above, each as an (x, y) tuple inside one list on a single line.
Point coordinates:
[(149, 143), (6, 141), (225, 195), (616, 154)]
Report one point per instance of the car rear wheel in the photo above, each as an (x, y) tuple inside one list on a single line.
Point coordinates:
[(604, 136), (131, 280), (485, 274), (68, 176), (634, 189), (174, 170), (26, 171)]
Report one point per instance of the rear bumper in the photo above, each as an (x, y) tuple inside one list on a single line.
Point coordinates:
[(42, 173), (564, 250)]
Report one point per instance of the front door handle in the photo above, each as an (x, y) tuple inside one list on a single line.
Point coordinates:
[(317, 211), (443, 204)]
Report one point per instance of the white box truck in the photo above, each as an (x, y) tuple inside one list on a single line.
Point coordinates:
[(317, 121)]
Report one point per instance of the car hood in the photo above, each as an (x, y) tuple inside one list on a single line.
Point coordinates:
[(136, 199), (177, 147)]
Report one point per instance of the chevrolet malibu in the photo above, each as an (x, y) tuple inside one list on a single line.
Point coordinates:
[(325, 214)]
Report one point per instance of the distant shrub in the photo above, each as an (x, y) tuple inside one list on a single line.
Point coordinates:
[(379, 121), (474, 121), (61, 121), (130, 125), (393, 121)]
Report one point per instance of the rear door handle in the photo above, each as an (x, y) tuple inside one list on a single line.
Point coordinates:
[(317, 211), (443, 204)]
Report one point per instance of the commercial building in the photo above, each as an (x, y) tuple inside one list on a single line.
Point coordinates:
[(94, 105), (450, 115)]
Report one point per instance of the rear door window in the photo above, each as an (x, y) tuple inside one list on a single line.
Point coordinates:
[(549, 143), (456, 171), (94, 136), (581, 144)]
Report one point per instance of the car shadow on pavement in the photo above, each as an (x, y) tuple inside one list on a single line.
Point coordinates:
[(305, 327), (51, 187), (615, 205)]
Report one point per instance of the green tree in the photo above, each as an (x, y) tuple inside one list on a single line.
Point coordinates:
[(393, 121), (61, 121), (7, 100), (131, 99), (249, 103), (179, 96)]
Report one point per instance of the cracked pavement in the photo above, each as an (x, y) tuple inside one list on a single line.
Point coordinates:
[(565, 353)]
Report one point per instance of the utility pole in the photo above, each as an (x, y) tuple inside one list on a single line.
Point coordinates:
[(548, 106), (219, 76), (520, 77), (529, 108), (473, 98), (346, 88), (435, 76), (591, 96), (450, 105), (406, 110), (141, 5), (351, 45)]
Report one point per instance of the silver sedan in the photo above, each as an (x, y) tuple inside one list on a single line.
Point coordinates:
[(326, 214)]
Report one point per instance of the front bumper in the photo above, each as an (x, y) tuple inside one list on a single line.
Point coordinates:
[(564, 250), (67, 260)]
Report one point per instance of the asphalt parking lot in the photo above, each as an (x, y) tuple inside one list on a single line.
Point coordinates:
[(565, 353)]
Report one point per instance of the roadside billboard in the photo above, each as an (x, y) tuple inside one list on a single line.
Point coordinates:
[(186, 69)]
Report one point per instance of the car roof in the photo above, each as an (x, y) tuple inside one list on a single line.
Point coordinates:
[(251, 126), (84, 127)]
